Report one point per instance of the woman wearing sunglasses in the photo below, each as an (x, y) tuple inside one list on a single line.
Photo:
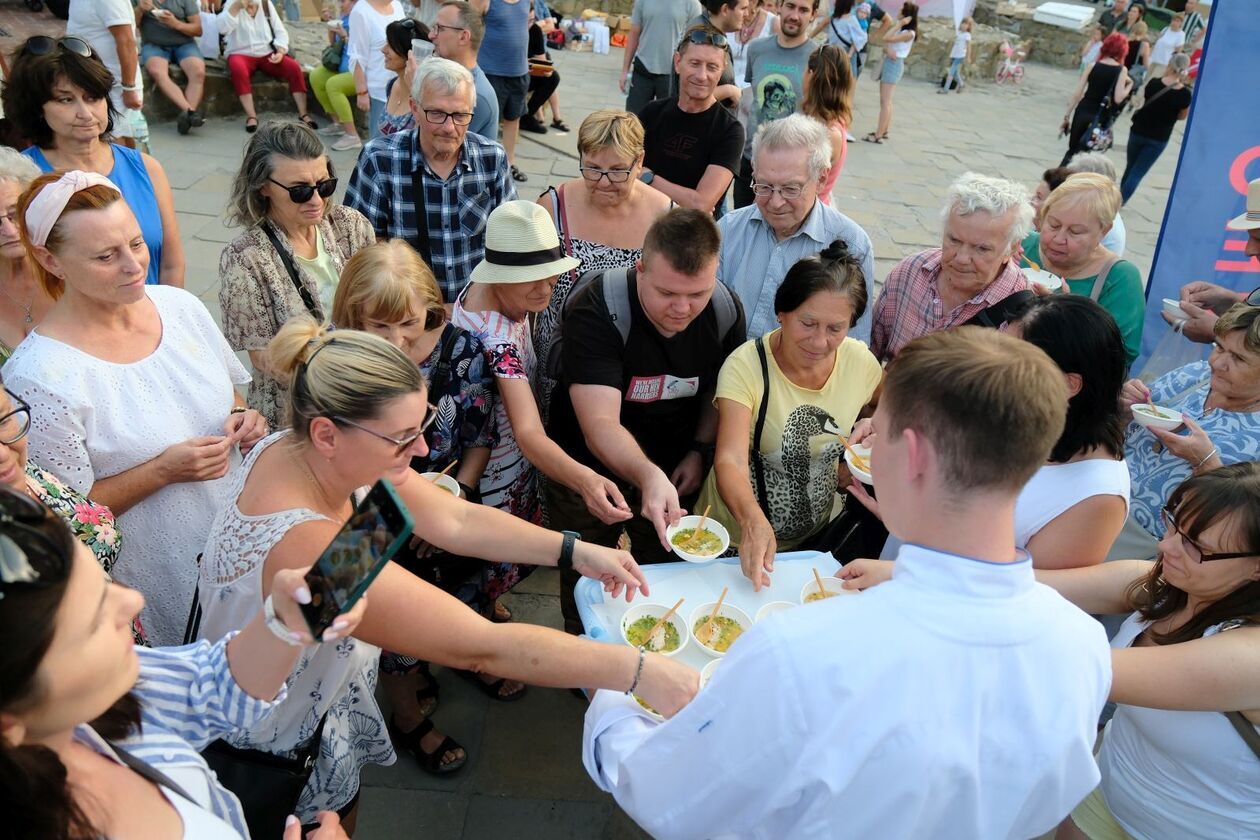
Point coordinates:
[(359, 414), (1172, 764), (368, 61), (295, 244), (57, 95), (100, 738)]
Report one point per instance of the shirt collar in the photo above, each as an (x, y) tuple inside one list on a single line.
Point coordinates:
[(989, 295), (967, 577), (814, 226), (420, 162)]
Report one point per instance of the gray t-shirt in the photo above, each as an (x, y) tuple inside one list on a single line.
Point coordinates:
[(663, 23), (153, 31), (485, 119), (776, 75)]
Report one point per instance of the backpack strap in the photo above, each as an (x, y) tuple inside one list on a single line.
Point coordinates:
[(996, 314), (725, 308), (616, 285), (1101, 279), (441, 375)]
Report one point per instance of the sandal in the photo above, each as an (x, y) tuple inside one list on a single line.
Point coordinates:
[(518, 175), (492, 689), (559, 125), (424, 695), (251, 125), (501, 614), (429, 761), (309, 121), (873, 138)]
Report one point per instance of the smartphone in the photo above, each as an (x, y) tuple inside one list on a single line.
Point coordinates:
[(374, 533)]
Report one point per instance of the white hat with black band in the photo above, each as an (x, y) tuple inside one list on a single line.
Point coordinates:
[(521, 246), (1251, 219)]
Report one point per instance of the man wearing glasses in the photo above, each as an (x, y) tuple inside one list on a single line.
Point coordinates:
[(692, 145), (787, 222), (457, 34), (457, 178)]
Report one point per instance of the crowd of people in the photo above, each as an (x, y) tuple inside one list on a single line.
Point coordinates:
[(587, 367)]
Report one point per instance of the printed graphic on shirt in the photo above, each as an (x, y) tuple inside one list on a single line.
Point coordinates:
[(681, 146), (646, 389), (799, 486), (776, 97)]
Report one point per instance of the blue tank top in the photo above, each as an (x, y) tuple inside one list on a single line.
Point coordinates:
[(504, 46), (132, 180)]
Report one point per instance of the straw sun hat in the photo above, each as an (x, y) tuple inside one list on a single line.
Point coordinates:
[(521, 246), (1251, 219)]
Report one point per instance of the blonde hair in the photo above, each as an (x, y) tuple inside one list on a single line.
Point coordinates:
[(1241, 318), (1097, 193), (991, 405), (96, 197), (1138, 31), (613, 129), (338, 373), (967, 21), (378, 283)]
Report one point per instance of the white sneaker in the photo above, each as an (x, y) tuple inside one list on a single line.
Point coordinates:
[(848, 138), (347, 143), (332, 130)]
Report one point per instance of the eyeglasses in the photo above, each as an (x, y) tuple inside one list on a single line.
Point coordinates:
[(438, 27), (401, 444), (438, 117), (301, 193), (1192, 549), (44, 44), (615, 176), (1253, 299), (702, 38), (37, 562), (15, 424), (788, 191)]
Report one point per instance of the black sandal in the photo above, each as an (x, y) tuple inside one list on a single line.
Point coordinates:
[(429, 761), (491, 689), (309, 122), (251, 125)]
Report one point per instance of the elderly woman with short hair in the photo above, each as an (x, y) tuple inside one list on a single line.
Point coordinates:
[(289, 259), (23, 301), (972, 278), (601, 217), (1074, 220)]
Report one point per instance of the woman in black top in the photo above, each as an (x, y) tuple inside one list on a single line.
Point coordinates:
[(1167, 102), (1104, 85)]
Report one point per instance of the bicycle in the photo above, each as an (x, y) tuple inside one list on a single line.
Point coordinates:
[(1012, 69)]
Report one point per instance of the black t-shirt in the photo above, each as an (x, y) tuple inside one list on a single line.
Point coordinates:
[(679, 146), (664, 382), (537, 44), (1157, 117)]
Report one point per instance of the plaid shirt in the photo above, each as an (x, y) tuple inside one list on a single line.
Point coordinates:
[(910, 304), (456, 207)]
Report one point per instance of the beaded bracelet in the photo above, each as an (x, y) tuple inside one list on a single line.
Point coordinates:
[(638, 672)]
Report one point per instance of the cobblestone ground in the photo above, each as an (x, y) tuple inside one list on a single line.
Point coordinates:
[(524, 777)]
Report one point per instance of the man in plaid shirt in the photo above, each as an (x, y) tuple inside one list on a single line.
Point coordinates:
[(975, 267), (462, 177)]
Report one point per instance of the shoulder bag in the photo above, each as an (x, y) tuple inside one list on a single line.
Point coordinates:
[(287, 261)]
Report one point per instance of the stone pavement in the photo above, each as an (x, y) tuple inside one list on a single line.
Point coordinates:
[(524, 777)]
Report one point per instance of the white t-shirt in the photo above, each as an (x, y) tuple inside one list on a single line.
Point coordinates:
[(901, 49), (91, 20), (367, 36), (1167, 44), (959, 50)]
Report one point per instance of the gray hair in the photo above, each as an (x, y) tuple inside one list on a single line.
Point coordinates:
[(246, 204), (17, 167), (445, 77), (999, 197), (1179, 63), (471, 19), (1095, 162), (796, 132)]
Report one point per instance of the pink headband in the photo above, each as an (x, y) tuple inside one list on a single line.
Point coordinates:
[(46, 208)]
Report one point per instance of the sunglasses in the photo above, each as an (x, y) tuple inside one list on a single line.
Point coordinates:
[(44, 44), (1192, 549), (1253, 299), (35, 561), (301, 193), (702, 38), (401, 444)]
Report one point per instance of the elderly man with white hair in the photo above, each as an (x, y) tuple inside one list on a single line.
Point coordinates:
[(458, 177), (968, 278), (786, 222)]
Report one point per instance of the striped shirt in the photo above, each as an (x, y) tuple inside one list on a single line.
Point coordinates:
[(188, 698), (910, 304), (456, 207)]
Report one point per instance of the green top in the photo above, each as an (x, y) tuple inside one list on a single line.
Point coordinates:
[(324, 270), (1122, 295)]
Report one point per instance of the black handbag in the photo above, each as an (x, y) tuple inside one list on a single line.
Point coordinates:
[(331, 56)]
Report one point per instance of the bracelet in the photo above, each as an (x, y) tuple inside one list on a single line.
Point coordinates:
[(131, 88), (239, 409), (360, 93), (1206, 458), (277, 627), (637, 673)]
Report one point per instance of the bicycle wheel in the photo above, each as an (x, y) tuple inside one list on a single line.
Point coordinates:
[(1017, 74), (1001, 76)]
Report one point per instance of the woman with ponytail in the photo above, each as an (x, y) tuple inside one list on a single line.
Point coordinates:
[(101, 738), (828, 84), (775, 491), (359, 410)]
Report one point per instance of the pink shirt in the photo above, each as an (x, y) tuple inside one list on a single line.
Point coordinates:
[(824, 194)]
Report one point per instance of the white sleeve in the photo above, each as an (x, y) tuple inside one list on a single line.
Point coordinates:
[(360, 43), (116, 13), (58, 437), (282, 34)]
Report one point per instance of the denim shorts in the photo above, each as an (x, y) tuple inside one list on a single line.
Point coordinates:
[(511, 91), (173, 55), (891, 72)]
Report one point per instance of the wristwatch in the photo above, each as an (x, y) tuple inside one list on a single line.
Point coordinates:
[(566, 549), (647, 176)]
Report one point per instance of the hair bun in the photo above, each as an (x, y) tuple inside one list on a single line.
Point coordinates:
[(837, 251), (296, 342)]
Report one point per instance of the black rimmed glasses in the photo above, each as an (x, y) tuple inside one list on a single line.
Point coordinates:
[(44, 44), (615, 176), (301, 193), (787, 191), (1253, 299), (1192, 549), (437, 117), (401, 444), (703, 38), (17, 422), (437, 28), (33, 562)]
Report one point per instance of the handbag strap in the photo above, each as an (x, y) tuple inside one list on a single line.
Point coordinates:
[(266, 4), (1101, 279), (1165, 89), (1245, 729), (759, 475), (287, 261), (562, 218), (148, 771), (441, 375)]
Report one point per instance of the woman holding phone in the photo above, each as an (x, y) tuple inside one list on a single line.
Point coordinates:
[(360, 409)]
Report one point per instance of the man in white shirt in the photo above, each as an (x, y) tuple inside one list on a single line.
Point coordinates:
[(960, 699), (110, 27)]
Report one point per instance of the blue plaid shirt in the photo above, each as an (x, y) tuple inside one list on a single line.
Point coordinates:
[(456, 207)]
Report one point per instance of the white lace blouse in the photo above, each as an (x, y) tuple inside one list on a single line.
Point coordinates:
[(92, 419)]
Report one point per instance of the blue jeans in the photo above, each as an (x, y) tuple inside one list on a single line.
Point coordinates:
[(954, 72), (1142, 153), (292, 11), (375, 113)]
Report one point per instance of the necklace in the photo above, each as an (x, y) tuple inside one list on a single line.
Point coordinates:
[(310, 476), (746, 32), (26, 306)]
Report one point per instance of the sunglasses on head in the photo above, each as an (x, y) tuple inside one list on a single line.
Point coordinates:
[(704, 39), (28, 557), (44, 44), (301, 193)]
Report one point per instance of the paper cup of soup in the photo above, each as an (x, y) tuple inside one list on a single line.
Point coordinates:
[(648, 708), (706, 673), (832, 587), (773, 607), (1172, 308), (860, 470), (729, 624), (1156, 417), (698, 548), (1041, 277), (638, 622), (447, 483)]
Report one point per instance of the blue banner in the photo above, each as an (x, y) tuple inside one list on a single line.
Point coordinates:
[(1219, 155)]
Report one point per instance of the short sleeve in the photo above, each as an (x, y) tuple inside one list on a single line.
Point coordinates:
[(1122, 296), (636, 14), (505, 359), (593, 352), (729, 149), (478, 395), (117, 13), (58, 436), (740, 378)]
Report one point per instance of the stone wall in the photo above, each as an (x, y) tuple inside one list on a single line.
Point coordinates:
[(1047, 44), (930, 57), (574, 8)]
